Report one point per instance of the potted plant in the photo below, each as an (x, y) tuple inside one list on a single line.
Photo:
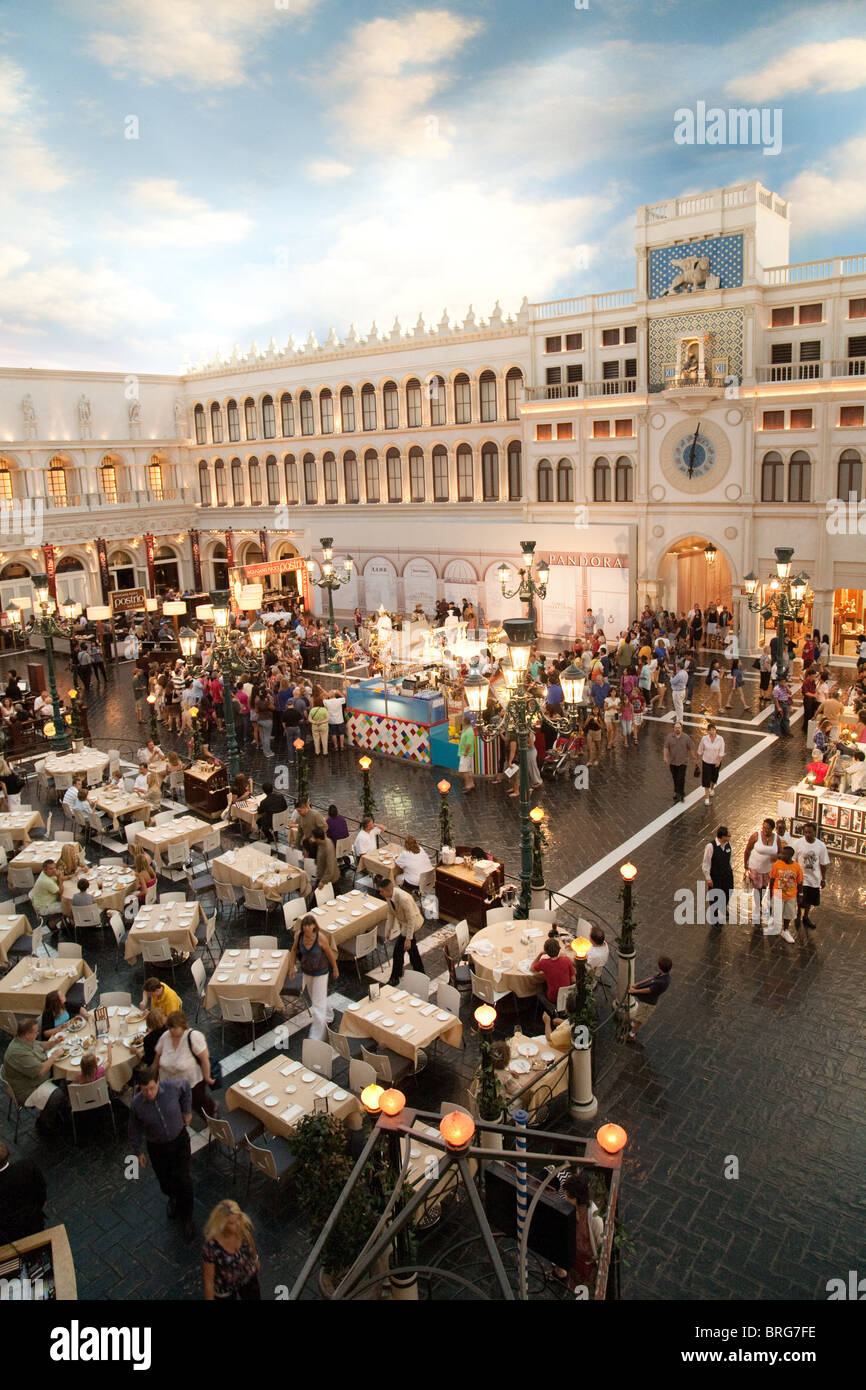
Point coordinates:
[(324, 1167)]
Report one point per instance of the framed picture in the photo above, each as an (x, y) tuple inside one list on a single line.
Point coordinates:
[(863, 849), (806, 807), (831, 839), (844, 818), (850, 844), (857, 821), (830, 816)]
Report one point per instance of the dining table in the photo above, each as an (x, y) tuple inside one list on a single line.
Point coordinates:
[(381, 862), (86, 760), (24, 989), (175, 923), (248, 868), (504, 952), (281, 1092), (247, 810), (11, 928), (109, 885), (18, 824), (348, 915), (38, 852), (182, 830), (119, 804), (535, 1073), (402, 1022), (257, 974), (126, 1025)]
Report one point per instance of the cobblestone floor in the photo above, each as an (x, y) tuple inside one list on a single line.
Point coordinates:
[(757, 1051)]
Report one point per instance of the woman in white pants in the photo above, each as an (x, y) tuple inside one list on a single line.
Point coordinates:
[(711, 750), (316, 959)]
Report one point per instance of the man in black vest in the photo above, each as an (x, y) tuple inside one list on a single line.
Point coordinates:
[(719, 877)]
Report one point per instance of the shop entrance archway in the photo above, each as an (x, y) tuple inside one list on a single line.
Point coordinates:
[(687, 577)]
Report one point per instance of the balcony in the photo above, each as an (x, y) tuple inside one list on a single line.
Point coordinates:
[(585, 304), (825, 370), (583, 390), (100, 501), (808, 272)]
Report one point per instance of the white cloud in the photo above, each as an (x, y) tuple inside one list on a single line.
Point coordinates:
[(327, 170), (198, 43), (91, 300), (26, 163), (389, 73), (162, 214), (831, 193), (839, 66)]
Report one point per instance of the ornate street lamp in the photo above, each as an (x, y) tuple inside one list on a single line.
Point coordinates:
[(50, 628), (227, 660), (331, 581), (625, 941), (782, 600), (517, 720), (489, 1096), (368, 804), (446, 829), (528, 586), (154, 728)]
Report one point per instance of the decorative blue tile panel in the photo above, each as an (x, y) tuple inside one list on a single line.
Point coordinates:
[(725, 327), (724, 253)]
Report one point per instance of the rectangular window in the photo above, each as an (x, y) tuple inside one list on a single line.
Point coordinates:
[(330, 467), (392, 409), (250, 422), (553, 344), (601, 429), (216, 425), (573, 342), (857, 308), (269, 424), (565, 431), (413, 407), (781, 352), (465, 477), (544, 431), (811, 313), (800, 480), (368, 410), (109, 484), (629, 335), (782, 318), (273, 480), (347, 413), (773, 420), (308, 424), (204, 485), (416, 477), (801, 420), (350, 473), (515, 481), (609, 371), (574, 372), (395, 479), (371, 478), (488, 400), (440, 477), (513, 394), (462, 403), (311, 488), (287, 417), (234, 424), (623, 429), (610, 337), (851, 415), (630, 367), (326, 406), (857, 353), (437, 402), (490, 476), (255, 487), (220, 476), (553, 376), (810, 360), (200, 428)]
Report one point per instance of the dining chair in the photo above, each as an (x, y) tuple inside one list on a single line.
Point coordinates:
[(256, 901), (111, 863), (448, 998), (292, 911), (346, 1046), (7, 844), (20, 1105), (176, 784), (272, 1155), (360, 946), (325, 894), (150, 895), (499, 914), (132, 830), (172, 897), (8, 1023), (427, 881), (229, 895), (27, 945), (484, 990), (88, 1096), (263, 943), (417, 983), (118, 930), (459, 974), (120, 997), (163, 817), (318, 1056), (69, 950), (20, 877), (199, 979), (64, 837), (206, 932), (361, 1074), (390, 1067), (230, 1131), (262, 847), (158, 953), (540, 914), (236, 1011), (88, 916)]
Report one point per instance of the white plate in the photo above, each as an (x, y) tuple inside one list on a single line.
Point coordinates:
[(232, 953), (276, 954), (399, 1011), (528, 1049), (339, 1095), (247, 1081), (548, 1056), (222, 977), (519, 1066), (414, 1153), (415, 1002), (353, 1008), (266, 979), (290, 1090), (357, 914), (308, 1076), (387, 1022), (443, 1017), (271, 1100)]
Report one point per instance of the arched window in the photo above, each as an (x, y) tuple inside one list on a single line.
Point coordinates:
[(564, 481), (5, 481), (269, 423), (487, 386), (850, 476), (515, 471), (219, 562), (290, 469), (440, 473), (513, 393), (623, 475), (436, 392), (311, 482), (287, 416), (57, 482), (200, 425), (108, 481), (490, 472), (234, 420), (308, 424), (255, 483), (347, 410), (237, 483), (391, 401), (368, 407), (371, 475), (394, 471), (165, 569), (154, 478), (272, 478), (601, 480), (251, 424), (219, 473), (465, 474), (413, 404), (216, 424), (800, 477), (772, 478), (350, 473), (462, 400), (545, 481), (204, 484), (417, 490), (329, 467), (326, 411)]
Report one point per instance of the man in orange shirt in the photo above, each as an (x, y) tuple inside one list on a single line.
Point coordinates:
[(786, 878)]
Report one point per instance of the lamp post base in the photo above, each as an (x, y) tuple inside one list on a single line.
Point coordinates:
[(582, 1103), (624, 982)]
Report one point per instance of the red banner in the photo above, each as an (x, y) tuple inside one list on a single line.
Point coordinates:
[(104, 579), (51, 570), (230, 554), (195, 546), (150, 550), (263, 542), (253, 572)]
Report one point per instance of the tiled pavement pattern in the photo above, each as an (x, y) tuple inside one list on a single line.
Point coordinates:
[(758, 1050)]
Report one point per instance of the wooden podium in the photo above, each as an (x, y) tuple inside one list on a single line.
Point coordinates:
[(206, 789)]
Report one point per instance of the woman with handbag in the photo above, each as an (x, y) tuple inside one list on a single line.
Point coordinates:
[(182, 1055), (711, 750), (230, 1261)]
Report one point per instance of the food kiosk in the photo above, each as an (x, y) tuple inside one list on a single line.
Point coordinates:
[(402, 719)]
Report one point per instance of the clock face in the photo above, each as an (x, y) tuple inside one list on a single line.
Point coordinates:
[(705, 455)]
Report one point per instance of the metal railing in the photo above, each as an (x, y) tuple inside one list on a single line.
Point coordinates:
[(583, 390), (822, 369)]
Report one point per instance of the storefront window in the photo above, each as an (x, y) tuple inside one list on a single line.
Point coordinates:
[(849, 620)]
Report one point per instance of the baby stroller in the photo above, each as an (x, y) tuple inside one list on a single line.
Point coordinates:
[(561, 758)]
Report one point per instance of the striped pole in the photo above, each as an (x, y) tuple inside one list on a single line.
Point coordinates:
[(521, 1119)]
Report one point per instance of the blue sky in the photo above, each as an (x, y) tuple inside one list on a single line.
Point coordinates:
[(308, 164)]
